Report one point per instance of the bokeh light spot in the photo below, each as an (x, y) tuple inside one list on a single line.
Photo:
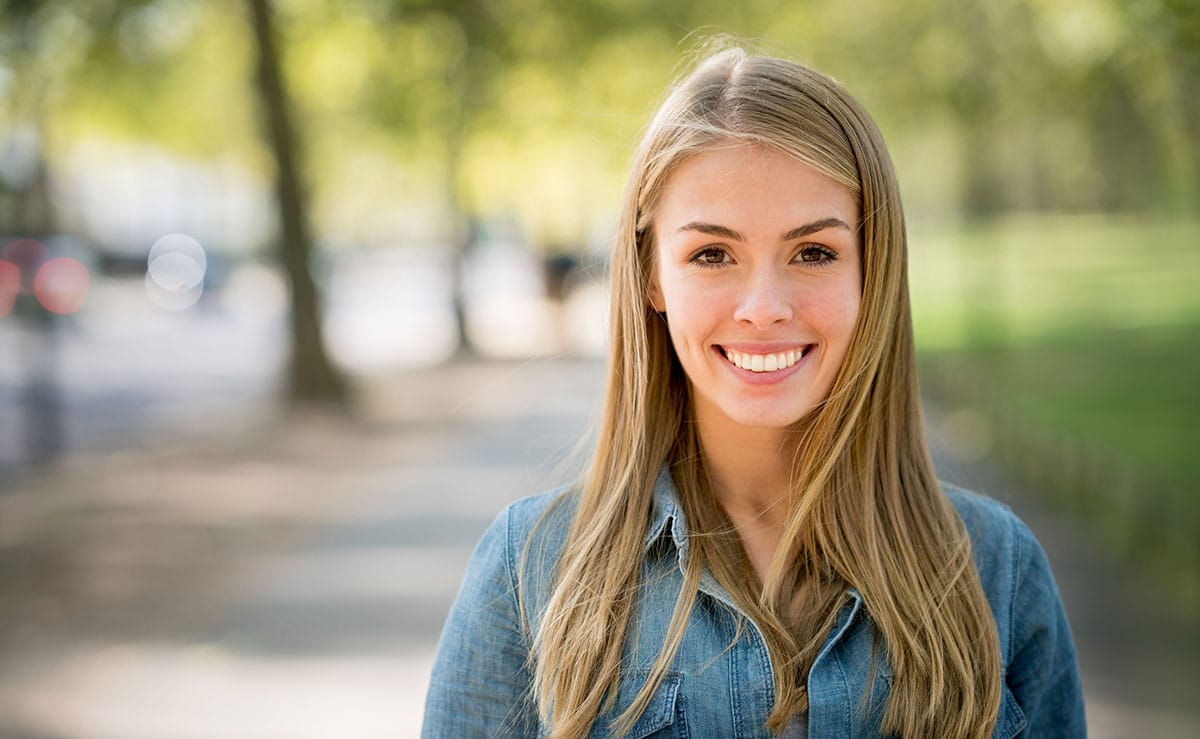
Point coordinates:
[(61, 285), (172, 299), (27, 255), (175, 272), (10, 285), (177, 243)]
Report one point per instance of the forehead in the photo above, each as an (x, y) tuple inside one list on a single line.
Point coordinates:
[(750, 186)]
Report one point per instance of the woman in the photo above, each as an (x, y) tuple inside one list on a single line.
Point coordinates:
[(760, 546)]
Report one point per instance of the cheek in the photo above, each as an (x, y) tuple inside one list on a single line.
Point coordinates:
[(849, 311), (833, 312), (693, 314)]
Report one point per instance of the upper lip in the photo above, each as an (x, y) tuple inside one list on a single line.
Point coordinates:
[(760, 348)]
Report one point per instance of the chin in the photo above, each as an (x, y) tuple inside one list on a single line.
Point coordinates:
[(770, 420)]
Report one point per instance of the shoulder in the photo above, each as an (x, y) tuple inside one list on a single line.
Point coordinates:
[(979, 512), (538, 518), (527, 538), (1038, 653), (1006, 553), (499, 554), (1013, 569), (998, 536), (522, 514)]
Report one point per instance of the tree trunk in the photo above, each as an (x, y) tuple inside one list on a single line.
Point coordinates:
[(464, 232), (311, 375)]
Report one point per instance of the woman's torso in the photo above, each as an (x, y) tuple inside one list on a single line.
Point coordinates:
[(720, 683)]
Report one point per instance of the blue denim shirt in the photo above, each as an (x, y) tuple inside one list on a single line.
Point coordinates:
[(481, 683)]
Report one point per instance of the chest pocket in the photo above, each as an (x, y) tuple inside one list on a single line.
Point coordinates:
[(1011, 720), (663, 717)]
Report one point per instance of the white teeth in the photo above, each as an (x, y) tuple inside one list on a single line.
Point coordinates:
[(763, 362)]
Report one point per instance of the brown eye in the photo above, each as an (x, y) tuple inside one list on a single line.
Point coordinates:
[(710, 256), (816, 254)]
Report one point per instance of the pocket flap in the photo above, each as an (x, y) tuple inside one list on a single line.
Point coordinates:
[(1011, 720), (659, 713)]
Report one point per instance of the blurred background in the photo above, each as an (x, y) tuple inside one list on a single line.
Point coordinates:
[(295, 295)]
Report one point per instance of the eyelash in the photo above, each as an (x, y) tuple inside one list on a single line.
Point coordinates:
[(698, 257), (827, 256)]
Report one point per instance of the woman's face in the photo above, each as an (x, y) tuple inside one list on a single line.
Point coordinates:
[(757, 269)]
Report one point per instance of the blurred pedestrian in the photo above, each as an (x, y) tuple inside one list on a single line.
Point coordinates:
[(760, 545)]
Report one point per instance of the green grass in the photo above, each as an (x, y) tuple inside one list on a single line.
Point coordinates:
[(1129, 396), (1083, 326), (1027, 279), (1077, 342)]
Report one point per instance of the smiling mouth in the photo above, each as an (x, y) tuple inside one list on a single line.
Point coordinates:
[(765, 362)]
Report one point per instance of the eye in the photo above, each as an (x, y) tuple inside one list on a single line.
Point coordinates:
[(816, 254), (710, 256)]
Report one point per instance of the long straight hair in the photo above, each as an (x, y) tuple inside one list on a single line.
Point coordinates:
[(864, 507)]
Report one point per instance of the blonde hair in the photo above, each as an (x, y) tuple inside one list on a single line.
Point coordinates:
[(864, 508)]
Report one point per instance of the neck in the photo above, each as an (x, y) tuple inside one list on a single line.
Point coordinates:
[(748, 468)]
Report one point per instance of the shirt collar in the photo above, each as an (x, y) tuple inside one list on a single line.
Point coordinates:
[(668, 518), (667, 512)]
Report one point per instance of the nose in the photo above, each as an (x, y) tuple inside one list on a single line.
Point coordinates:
[(764, 301)]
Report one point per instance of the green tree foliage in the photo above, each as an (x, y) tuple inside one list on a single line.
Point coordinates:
[(421, 114), (1028, 104)]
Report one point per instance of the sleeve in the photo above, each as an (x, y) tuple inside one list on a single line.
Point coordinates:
[(481, 682), (1042, 674)]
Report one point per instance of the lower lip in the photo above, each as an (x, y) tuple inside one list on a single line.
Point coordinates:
[(763, 378)]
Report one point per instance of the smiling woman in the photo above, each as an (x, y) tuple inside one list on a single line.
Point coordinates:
[(760, 546), (760, 309)]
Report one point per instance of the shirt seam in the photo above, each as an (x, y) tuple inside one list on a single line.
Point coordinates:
[(510, 569), (524, 625), (1018, 553)]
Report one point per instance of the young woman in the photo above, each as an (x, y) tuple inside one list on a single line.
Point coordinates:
[(760, 546)]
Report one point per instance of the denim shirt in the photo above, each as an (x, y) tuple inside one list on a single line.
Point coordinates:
[(481, 682)]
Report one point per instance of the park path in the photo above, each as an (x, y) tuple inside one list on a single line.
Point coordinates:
[(289, 580)]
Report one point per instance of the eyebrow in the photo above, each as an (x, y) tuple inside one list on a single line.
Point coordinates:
[(728, 233)]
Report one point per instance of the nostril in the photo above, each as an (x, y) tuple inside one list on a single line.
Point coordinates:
[(764, 307)]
